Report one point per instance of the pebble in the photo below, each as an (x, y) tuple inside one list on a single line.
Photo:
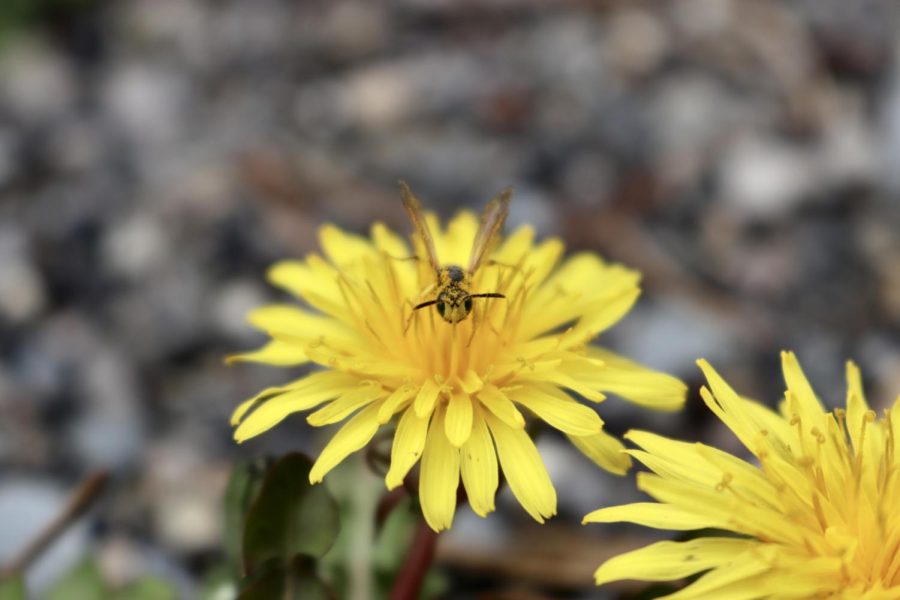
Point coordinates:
[(22, 292)]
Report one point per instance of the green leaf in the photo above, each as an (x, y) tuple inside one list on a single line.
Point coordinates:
[(12, 588), (147, 588), (295, 581), (289, 517), (243, 488), (84, 582)]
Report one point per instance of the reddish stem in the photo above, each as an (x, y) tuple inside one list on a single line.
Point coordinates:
[(412, 573)]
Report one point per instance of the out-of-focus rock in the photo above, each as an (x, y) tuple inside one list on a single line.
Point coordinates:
[(137, 247), (230, 307), (185, 494), (764, 178), (638, 41), (22, 293), (149, 102), (38, 84), (109, 433)]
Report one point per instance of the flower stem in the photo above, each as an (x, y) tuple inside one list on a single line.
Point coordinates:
[(79, 501), (415, 567)]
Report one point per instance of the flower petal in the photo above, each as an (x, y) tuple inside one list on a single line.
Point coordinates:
[(313, 280), (458, 420), (606, 451), (479, 468), (652, 514), (301, 395), (740, 580), (395, 402), (558, 409), (501, 406), (343, 248), (278, 353), (355, 434), (634, 382), (664, 561), (426, 397), (524, 469), (409, 441), (339, 409), (439, 477)]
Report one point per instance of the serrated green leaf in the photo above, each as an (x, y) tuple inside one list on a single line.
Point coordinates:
[(147, 588), (243, 487), (289, 517), (12, 588), (295, 581), (83, 582)]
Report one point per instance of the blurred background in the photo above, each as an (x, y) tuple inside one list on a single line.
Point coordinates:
[(157, 155)]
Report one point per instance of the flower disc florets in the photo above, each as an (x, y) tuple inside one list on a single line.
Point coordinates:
[(453, 390)]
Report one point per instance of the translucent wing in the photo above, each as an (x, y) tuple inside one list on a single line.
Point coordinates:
[(414, 210), (492, 218)]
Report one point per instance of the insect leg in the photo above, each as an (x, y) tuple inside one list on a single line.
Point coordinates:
[(474, 326)]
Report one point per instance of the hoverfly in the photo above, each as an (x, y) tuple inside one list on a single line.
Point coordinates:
[(453, 301)]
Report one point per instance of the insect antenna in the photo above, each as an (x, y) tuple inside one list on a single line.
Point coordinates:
[(413, 312)]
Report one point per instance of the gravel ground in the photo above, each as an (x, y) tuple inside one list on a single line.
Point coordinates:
[(157, 155)]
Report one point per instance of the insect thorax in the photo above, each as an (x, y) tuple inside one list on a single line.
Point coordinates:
[(454, 273)]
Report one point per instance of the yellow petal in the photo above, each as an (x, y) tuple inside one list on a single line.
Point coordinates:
[(739, 580), (664, 561), (276, 352), (704, 465), (562, 379), (245, 406), (291, 320), (313, 280), (458, 420), (729, 407), (635, 382), (439, 477), (583, 284), (409, 441), (301, 395), (604, 450), (395, 402), (600, 317), (652, 514), (339, 409), (524, 469), (455, 243), (558, 409), (807, 403), (479, 468), (733, 512), (343, 248), (426, 397), (501, 406), (355, 434), (857, 407)]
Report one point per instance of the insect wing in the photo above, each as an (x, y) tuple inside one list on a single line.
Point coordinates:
[(414, 210), (492, 219)]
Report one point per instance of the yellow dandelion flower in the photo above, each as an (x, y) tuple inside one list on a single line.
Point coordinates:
[(453, 392), (818, 513)]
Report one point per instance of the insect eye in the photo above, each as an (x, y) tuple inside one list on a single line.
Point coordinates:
[(468, 304), (441, 307)]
